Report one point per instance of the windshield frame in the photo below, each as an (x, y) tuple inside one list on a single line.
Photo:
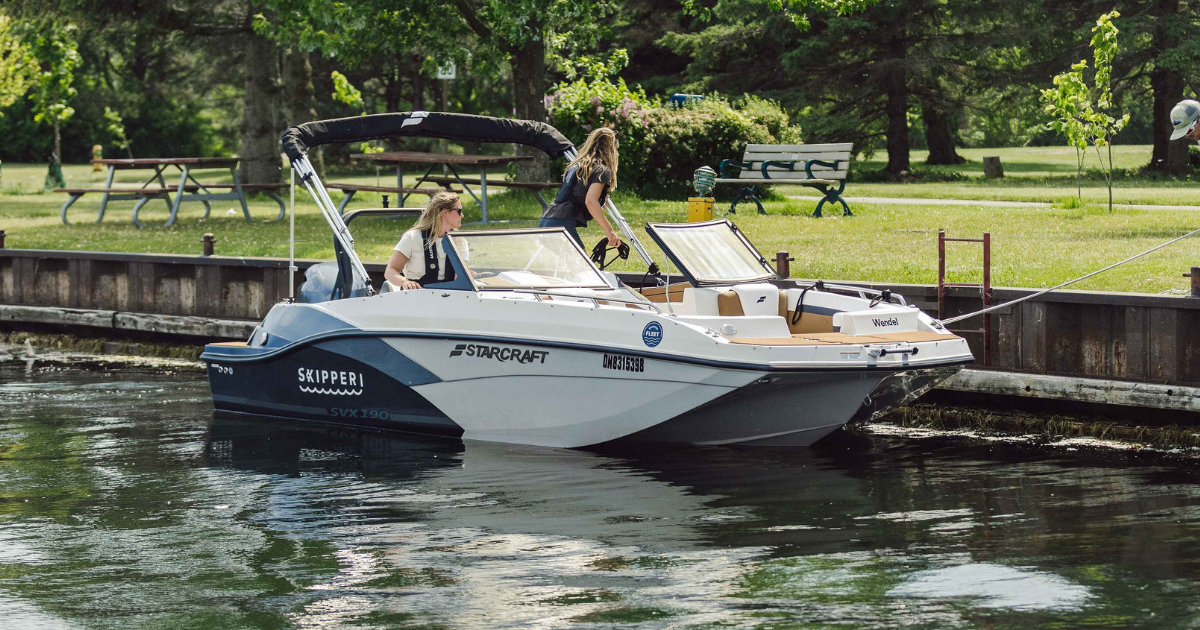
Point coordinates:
[(469, 234), (767, 275)]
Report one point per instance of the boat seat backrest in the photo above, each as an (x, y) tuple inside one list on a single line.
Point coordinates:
[(746, 299), (758, 299)]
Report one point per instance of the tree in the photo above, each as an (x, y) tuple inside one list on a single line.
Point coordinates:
[(53, 45), (1082, 113), (859, 69)]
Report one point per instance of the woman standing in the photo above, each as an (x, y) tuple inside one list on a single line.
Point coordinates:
[(419, 259), (589, 178)]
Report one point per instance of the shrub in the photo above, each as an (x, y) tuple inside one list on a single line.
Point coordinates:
[(662, 145)]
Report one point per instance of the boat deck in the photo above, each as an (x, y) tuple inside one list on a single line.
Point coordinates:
[(835, 339)]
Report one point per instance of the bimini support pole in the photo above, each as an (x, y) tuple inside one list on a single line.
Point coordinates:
[(340, 232), (616, 217)]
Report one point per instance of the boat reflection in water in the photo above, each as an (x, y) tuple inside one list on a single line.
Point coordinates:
[(849, 532)]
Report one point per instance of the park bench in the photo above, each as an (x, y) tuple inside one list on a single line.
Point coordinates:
[(820, 166), (351, 189), (145, 195), (535, 187)]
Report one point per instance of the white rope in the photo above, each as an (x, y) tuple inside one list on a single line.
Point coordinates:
[(1069, 282)]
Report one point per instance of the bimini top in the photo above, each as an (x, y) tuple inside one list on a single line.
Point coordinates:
[(459, 127), (711, 253)]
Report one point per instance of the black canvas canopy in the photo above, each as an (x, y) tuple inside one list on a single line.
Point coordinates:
[(459, 127)]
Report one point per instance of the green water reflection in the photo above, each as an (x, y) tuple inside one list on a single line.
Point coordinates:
[(125, 504)]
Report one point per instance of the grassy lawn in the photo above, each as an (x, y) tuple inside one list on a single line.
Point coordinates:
[(1032, 247)]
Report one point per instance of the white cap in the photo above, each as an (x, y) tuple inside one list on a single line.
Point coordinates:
[(1183, 116)]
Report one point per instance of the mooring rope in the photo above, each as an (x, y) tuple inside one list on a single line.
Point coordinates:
[(1069, 282)]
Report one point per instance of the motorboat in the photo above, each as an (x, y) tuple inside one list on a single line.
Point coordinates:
[(532, 343)]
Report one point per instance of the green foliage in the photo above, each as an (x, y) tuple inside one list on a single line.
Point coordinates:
[(17, 65), (54, 48), (795, 10), (662, 145), (345, 92), (115, 126)]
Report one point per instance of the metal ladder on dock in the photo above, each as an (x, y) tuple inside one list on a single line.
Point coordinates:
[(985, 287)]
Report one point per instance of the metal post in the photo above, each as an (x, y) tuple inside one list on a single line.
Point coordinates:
[(385, 201), (782, 268), (941, 286), (1194, 275), (987, 298), (2, 241), (483, 192), (208, 241)]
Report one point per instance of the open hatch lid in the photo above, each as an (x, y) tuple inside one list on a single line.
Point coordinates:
[(711, 253), (536, 258)]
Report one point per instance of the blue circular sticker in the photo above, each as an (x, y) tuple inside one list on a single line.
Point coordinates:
[(652, 334)]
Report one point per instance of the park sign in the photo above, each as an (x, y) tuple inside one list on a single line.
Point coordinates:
[(447, 71)]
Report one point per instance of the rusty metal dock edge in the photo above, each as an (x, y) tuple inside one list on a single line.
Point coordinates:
[(1120, 348)]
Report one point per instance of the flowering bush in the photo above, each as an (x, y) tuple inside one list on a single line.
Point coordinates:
[(576, 108), (662, 145)]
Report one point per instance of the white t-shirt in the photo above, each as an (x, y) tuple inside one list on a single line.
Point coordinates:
[(411, 244)]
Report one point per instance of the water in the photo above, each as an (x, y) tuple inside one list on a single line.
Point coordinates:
[(125, 504)]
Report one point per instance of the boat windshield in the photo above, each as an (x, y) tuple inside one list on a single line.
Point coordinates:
[(525, 259), (713, 252)]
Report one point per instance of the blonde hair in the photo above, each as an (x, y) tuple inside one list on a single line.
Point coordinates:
[(431, 216), (600, 148)]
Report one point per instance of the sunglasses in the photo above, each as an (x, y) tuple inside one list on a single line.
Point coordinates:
[(458, 210)]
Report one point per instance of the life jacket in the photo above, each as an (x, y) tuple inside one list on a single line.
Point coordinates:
[(431, 263)]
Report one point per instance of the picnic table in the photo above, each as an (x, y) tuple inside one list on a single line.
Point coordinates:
[(401, 158), (188, 187)]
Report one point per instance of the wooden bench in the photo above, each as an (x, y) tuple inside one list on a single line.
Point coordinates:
[(144, 195), (820, 166), (535, 187), (351, 189)]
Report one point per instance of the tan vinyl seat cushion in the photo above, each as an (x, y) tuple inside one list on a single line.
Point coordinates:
[(729, 305), (658, 295)]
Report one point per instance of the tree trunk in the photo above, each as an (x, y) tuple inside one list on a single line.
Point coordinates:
[(1167, 86), (57, 157), (938, 135), (300, 102), (896, 87), (261, 115), (529, 92)]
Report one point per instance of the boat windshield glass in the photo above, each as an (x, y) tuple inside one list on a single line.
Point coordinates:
[(525, 259), (713, 252)]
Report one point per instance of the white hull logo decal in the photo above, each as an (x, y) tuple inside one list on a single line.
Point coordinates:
[(330, 382), (652, 334)]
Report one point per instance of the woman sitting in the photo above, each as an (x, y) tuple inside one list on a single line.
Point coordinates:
[(419, 259), (589, 178)]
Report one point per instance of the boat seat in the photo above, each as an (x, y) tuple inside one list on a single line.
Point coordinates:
[(736, 301), (659, 295)]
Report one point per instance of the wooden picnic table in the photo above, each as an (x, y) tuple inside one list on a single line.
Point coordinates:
[(449, 160), (183, 191)]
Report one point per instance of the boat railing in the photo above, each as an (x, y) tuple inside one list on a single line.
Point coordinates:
[(862, 292)]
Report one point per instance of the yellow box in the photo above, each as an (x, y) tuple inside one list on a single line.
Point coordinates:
[(700, 209)]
